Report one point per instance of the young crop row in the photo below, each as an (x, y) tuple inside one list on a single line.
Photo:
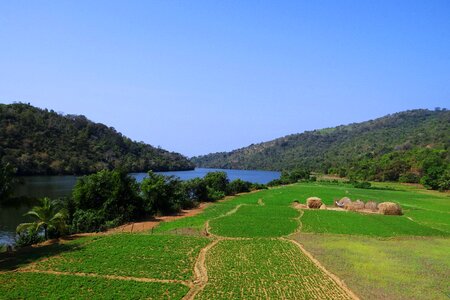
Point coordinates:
[(265, 268), (48, 286), (320, 221), (257, 221), (135, 255)]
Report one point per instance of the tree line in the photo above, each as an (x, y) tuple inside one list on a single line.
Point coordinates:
[(110, 198), (42, 142), (411, 146)]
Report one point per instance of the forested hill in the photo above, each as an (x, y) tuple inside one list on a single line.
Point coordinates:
[(393, 141), (38, 141)]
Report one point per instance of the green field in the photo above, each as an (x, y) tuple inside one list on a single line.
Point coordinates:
[(253, 257), (45, 286), (262, 269), (400, 268)]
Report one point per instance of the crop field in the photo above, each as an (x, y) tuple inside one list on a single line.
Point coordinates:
[(260, 221), (47, 286), (250, 254), (265, 268), (400, 268), (137, 255), (361, 224)]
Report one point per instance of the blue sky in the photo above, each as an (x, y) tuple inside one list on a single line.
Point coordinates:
[(206, 76)]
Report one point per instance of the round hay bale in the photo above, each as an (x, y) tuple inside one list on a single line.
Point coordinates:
[(372, 205), (323, 206), (358, 204), (344, 201), (390, 208), (314, 202)]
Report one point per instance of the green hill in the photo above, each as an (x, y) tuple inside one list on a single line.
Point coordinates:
[(39, 141), (382, 149)]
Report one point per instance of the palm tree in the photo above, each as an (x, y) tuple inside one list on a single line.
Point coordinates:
[(49, 215)]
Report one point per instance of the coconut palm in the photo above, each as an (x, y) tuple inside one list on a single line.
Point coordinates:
[(48, 214)]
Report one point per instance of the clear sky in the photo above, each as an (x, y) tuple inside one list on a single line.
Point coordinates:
[(205, 76)]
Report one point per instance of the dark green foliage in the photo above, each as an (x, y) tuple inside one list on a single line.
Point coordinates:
[(163, 194), (28, 237), (37, 141), (217, 182), (293, 176), (361, 185), (196, 189), (384, 149), (7, 173), (107, 197), (239, 186)]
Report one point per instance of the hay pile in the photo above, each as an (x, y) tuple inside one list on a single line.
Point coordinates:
[(344, 201), (314, 202), (371, 205), (354, 206), (323, 206), (390, 208)]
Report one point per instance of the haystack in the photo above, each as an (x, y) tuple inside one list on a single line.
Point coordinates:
[(314, 202), (354, 206), (323, 206), (390, 208), (372, 205), (343, 202)]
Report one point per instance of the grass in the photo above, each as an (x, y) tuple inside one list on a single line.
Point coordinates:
[(48, 286), (370, 252), (136, 255), (400, 268), (264, 268), (319, 221), (257, 221)]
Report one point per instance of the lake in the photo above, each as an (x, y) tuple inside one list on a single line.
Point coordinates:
[(61, 186)]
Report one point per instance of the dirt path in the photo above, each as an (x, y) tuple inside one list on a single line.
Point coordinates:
[(115, 277), (147, 225), (200, 272)]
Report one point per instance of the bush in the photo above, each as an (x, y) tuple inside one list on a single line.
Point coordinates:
[(163, 194), (409, 178), (28, 237), (110, 195), (88, 221), (362, 185), (217, 181), (195, 190), (239, 186)]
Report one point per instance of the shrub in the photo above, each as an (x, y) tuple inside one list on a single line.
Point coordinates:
[(163, 194), (239, 186), (217, 181), (28, 237), (88, 221), (409, 177), (362, 185), (110, 195)]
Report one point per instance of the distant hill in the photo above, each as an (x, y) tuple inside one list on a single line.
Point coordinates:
[(344, 148), (39, 141)]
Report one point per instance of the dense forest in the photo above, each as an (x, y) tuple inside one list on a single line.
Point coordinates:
[(38, 141), (410, 146)]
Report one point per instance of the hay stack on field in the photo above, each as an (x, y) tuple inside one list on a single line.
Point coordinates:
[(343, 202), (353, 206), (323, 206), (390, 208), (314, 202), (372, 205)]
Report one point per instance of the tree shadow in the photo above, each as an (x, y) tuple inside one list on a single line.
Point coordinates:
[(27, 255)]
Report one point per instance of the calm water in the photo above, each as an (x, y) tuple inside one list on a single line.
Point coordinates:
[(61, 186)]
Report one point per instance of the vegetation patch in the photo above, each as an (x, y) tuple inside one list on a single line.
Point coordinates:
[(327, 221), (400, 268), (48, 286), (136, 255), (256, 221), (262, 269)]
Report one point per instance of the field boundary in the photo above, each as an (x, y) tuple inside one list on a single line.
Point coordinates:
[(110, 277)]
